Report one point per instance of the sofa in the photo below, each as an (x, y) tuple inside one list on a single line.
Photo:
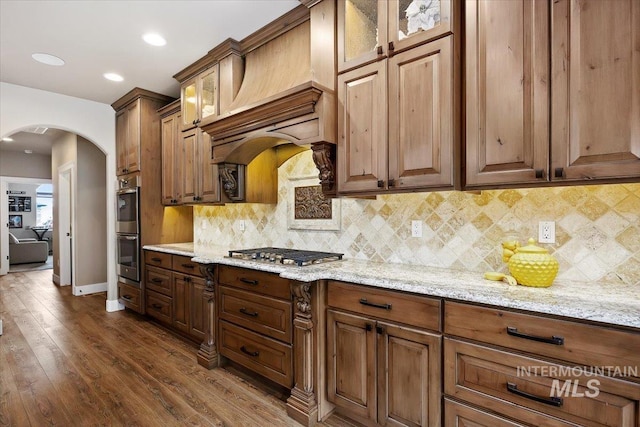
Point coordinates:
[(25, 251)]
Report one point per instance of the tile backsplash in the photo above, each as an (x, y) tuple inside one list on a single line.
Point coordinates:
[(597, 226)]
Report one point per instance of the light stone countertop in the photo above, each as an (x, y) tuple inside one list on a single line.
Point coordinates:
[(609, 304)]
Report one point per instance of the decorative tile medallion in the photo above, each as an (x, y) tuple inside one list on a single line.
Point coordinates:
[(310, 203)]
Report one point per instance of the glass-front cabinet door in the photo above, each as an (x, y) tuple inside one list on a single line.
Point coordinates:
[(370, 30), (413, 22), (189, 103), (199, 97), (208, 88), (362, 32)]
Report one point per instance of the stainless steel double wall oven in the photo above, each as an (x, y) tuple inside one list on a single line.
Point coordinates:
[(128, 229)]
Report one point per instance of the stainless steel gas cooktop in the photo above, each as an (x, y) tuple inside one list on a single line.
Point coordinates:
[(285, 256)]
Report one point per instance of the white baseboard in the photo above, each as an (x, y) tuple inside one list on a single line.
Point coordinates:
[(56, 279), (114, 305), (90, 289)]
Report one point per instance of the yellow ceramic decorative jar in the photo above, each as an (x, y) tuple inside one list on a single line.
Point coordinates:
[(533, 266)]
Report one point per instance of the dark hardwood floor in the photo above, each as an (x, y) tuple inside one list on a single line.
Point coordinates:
[(65, 361)]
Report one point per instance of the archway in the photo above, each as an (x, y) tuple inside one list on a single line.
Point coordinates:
[(22, 107)]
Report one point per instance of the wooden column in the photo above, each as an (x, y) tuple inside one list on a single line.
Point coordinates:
[(208, 354), (302, 405)]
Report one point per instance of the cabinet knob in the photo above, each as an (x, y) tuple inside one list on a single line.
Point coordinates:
[(391, 46), (559, 173), (392, 183), (380, 51), (380, 183), (539, 173)]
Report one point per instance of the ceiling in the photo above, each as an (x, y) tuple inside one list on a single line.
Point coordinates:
[(94, 37)]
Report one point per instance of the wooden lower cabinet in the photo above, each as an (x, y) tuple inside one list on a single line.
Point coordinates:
[(198, 309), (538, 370), (383, 372), (457, 414), (256, 322), (174, 293), (130, 296), (181, 300)]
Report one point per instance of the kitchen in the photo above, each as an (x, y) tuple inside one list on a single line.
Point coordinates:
[(596, 233)]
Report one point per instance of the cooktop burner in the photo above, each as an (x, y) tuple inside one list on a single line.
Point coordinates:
[(285, 256)]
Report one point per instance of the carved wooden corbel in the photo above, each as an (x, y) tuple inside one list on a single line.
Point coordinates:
[(232, 178), (324, 156), (208, 354)]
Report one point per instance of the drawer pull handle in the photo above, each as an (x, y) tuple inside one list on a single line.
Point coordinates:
[(250, 353), (156, 306), (156, 280), (553, 401), (190, 266), (156, 259), (555, 340), (248, 281), (127, 297), (364, 301), (244, 311)]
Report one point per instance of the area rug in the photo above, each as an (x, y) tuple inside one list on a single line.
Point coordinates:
[(18, 268)]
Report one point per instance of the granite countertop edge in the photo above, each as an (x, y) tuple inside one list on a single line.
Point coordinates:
[(617, 305)]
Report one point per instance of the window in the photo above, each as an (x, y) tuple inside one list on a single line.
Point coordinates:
[(44, 205)]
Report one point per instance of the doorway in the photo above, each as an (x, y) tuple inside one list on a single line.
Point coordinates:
[(66, 174)]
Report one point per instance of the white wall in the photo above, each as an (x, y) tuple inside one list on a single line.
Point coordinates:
[(91, 221), (21, 107), (15, 163)]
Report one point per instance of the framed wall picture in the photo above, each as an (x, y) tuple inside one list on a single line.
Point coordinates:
[(15, 221), (19, 203)]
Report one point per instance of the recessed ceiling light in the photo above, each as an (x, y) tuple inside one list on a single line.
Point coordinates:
[(154, 39), (28, 151), (7, 139), (45, 58), (113, 77)]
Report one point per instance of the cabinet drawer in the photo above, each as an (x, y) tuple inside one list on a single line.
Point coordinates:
[(130, 296), (458, 415), (410, 309), (505, 382), (159, 306), (265, 315), (158, 280), (255, 281), (263, 355), (157, 259), (571, 341), (183, 264)]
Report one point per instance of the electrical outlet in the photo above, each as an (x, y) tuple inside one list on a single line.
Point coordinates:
[(547, 232), (416, 228), (241, 225)]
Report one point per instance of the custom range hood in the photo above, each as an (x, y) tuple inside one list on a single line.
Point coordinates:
[(277, 93)]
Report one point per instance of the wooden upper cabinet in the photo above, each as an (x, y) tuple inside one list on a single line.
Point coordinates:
[(122, 130), (171, 159), (406, 142), (421, 134), (199, 97), (199, 177), (595, 89), (128, 139), (362, 128), (507, 92), (370, 30)]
